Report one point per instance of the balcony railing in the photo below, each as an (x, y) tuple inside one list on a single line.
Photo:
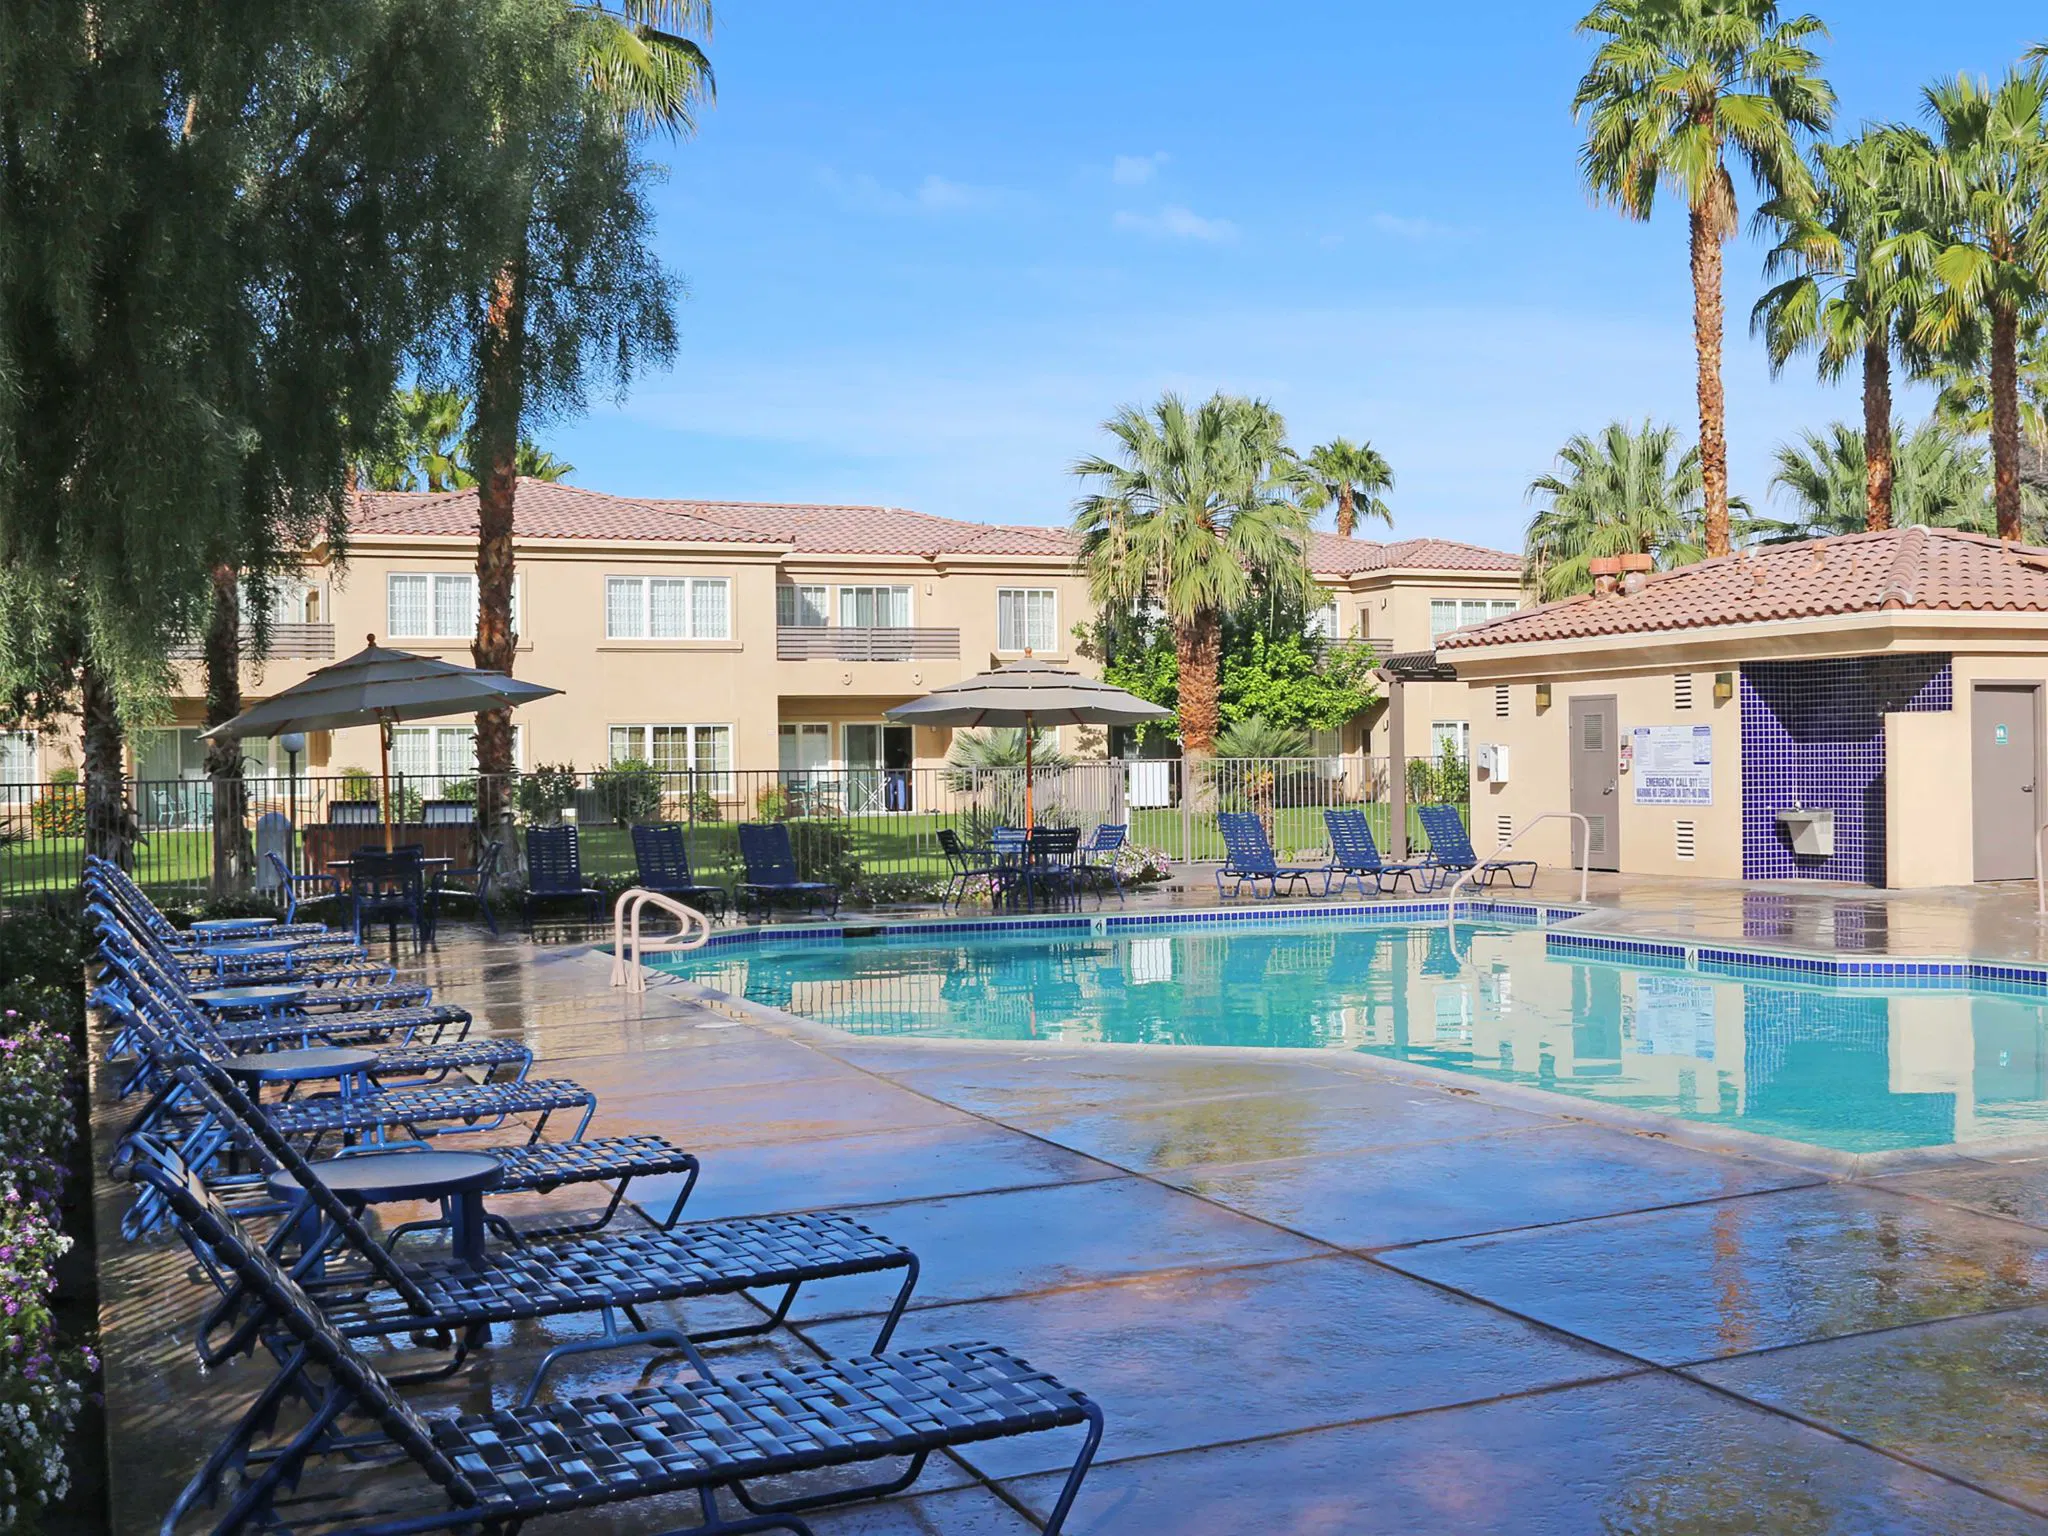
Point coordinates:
[(288, 642), (865, 643)]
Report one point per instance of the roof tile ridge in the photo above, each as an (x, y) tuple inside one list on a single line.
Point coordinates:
[(1909, 562)]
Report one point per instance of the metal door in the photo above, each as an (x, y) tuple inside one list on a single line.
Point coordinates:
[(1596, 781), (2003, 769)]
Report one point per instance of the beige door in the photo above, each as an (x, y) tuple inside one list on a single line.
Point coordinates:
[(2004, 778), (1596, 782)]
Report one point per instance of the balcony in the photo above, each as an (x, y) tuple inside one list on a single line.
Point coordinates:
[(288, 642), (877, 643)]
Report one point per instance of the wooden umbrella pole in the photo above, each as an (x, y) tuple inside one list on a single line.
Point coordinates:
[(1030, 810), (384, 749)]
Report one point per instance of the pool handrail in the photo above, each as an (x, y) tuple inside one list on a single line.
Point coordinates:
[(1585, 853), (627, 946)]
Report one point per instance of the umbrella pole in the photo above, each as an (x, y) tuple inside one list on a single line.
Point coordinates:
[(384, 750), (1030, 811)]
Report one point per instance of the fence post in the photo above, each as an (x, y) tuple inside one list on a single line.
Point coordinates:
[(1187, 811)]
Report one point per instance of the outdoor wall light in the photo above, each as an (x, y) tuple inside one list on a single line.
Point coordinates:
[(1543, 695), (1724, 687)]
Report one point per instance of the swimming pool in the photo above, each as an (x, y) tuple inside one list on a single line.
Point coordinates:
[(1867, 1065)]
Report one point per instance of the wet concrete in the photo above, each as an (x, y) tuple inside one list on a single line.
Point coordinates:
[(1311, 1296)]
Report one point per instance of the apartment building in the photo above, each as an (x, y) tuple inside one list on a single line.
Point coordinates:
[(718, 635)]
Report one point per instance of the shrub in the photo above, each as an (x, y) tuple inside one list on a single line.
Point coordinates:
[(628, 791), (459, 789), (772, 804), (60, 810), (824, 851), (356, 784), (546, 791)]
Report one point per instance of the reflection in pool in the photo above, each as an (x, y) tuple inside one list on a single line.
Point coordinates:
[(1856, 1070)]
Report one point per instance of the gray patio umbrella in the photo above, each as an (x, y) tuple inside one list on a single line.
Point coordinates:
[(1028, 694), (381, 687)]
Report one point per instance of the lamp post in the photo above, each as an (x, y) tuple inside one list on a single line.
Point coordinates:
[(293, 742)]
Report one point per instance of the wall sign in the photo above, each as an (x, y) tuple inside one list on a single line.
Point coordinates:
[(1674, 764)]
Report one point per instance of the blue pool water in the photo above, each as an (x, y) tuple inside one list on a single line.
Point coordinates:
[(1852, 1068)]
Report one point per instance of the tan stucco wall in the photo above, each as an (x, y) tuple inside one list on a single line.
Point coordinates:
[(1927, 798), (1539, 774)]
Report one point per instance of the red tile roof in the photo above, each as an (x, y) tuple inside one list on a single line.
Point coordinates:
[(1901, 569), (1332, 556), (553, 511)]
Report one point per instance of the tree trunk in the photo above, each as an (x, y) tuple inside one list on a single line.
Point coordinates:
[(109, 828), (1198, 645), (1877, 432), (1706, 331), (234, 858), (500, 401), (2005, 420), (1347, 510)]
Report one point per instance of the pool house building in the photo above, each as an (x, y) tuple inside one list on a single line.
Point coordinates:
[(1863, 709)]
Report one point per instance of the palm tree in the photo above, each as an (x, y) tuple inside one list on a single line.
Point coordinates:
[(1850, 296), (1983, 177), (1196, 514), (536, 463), (1625, 492), (643, 70), (1675, 86), (1941, 480), (1354, 476)]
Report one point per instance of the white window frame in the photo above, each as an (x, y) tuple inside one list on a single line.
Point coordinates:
[(1052, 631), (29, 745), (791, 611), (433, 579), (690, 585), (1465, 610), (436, 737), (1457, 730), (695, 734), (852, 590), (796, 732)]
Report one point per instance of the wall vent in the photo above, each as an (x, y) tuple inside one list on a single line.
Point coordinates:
[(1500, 701), (1503, 829), (1686, 836), (1681, 691)]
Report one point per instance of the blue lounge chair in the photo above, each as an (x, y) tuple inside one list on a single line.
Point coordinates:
[(1357, 857), (770, 858), (1248, 856), (663, 860), (503, 1467), (554, 872), (1450, 848)]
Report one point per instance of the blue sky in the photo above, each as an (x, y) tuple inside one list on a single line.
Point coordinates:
[(929, 247)]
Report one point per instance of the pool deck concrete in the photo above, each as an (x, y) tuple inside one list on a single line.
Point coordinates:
[(1312, 1295)]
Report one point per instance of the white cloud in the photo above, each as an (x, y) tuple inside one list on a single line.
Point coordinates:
[(1177, 223), (862, 193), (1136, 170), (1411, 228)]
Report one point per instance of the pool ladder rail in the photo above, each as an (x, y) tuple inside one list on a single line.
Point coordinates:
[(628, 948)]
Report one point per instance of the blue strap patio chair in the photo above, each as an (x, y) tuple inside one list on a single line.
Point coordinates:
[(295, 889), (1248, 857), (473, 883), (771, 871), (554, 872), (965, 867), (1357, 858), (500, 1469), (1097, 864), (1055, 858), (1450, 847), (662, 857), (389, 888)]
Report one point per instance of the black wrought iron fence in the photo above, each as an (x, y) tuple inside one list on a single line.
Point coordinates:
[(875, 829)]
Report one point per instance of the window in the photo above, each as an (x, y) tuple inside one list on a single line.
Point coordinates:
[(1455, 733), (667, 608), (176, 753), (678, 749), (440, 754), (1447, 613), (17, 758), (435, 606), (874, 607), (803, 749), (1027, 619), (801, 607), (1324, 623)]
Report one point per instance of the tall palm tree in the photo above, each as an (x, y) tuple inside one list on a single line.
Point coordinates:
[(1625, 492), (1197, 513), (642, 68), (1354, 476), (1941, 480), (1983, 177), (1851, 297), (1676, 87)]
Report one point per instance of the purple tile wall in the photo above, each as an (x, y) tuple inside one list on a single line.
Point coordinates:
[(1813, 735)]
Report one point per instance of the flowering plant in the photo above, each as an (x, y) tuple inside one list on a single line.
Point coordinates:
[(41, 1383), (1141, 866)]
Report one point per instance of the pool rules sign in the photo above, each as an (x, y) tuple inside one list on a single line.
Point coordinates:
[(1673, 764)]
